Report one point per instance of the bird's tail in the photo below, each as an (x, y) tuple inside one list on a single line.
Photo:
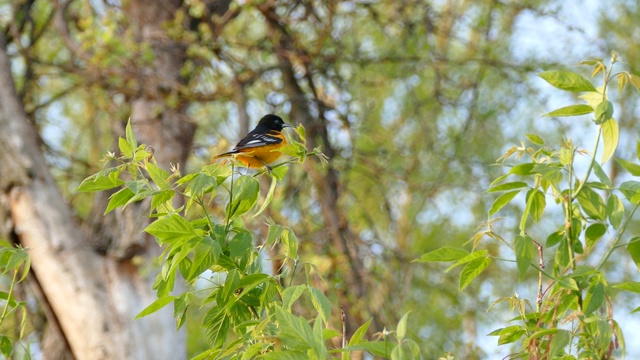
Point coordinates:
[(224, 155)]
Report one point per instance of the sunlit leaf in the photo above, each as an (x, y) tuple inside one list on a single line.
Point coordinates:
[(567, 80), (525, 250), (610, 137), (472, 270), (443, 254), (571, 110)]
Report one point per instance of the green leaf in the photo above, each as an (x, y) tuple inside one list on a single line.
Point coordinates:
[(610, 137), (377, 348), (241, 244), (633, 248), (502, 200), (161, 198), (594, 298), (101, 181), (566, 156), (509, 334), (217, 323), (360, 333), (615, 211), (207, 253), (131, 139), (155, 306), (559, 342), (523, 169), (244, 197), (525, 250), (635, 81), (291, 294), (290, 242), (571, 110), (568, 283), (508, 186), (535, 139), (604, 112), (538, 203), (468, 258), (202, 184), (158, 175), (171, 229), (320, 303), (472, 270), (633, 169), (401, 331), (296, 333), (593, 233), (119, 199), (632, 286), (268, 198), (125, 148), (567, 80), (6, 347), (443, 254), (592, 203), (602, 176), (555, 238), (631, 191)]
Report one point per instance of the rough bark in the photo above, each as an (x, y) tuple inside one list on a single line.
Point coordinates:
[(92, 298)]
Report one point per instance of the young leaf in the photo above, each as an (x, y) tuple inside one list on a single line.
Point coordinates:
[(472, 270), (610, 137), (131, 139), (101, 181), (471, 257), (360, 333), (571, 110), (525, 250), (443, 254), (604, 112), (501, 201), (535, 139), (401, 331), (158, 175), (118, 199), (155, 306), (125, 148), (635, 81), (567, 80)]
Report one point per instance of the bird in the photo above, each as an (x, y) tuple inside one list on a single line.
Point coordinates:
[(259, 148)]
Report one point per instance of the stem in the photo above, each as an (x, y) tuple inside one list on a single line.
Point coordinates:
[(227, 220), (593, 159), (617, 239), (6, 305)]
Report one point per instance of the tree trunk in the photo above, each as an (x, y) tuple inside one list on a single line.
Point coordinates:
[(93, 298)]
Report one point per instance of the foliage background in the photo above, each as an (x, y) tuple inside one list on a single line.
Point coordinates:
[(413, 101)]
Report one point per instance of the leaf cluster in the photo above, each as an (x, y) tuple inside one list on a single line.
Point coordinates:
[(572, 314), (248, 312)]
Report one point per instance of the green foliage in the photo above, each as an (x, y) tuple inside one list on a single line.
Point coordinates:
[(14, 261), (573, 312), (247, 313)]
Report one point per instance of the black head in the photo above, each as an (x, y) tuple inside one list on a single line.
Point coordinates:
[(272, 122)]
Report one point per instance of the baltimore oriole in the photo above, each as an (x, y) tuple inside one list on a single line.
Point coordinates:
[(259, 147)]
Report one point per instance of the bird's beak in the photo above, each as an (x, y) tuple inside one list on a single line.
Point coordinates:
[(286, 126)]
